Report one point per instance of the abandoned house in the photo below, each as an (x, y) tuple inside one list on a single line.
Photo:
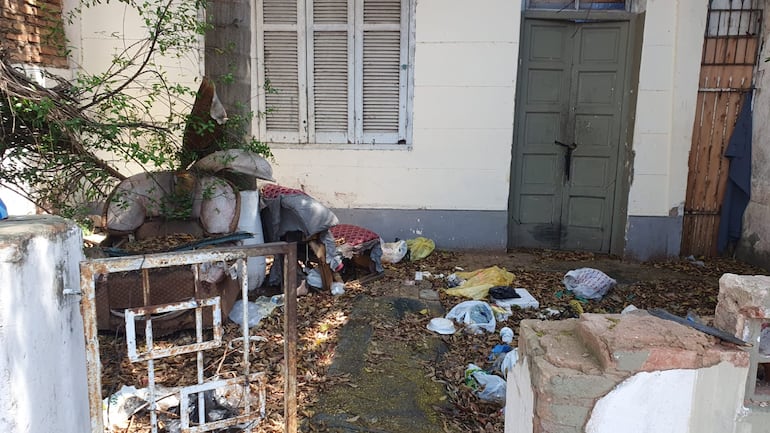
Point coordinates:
[(629, 127)]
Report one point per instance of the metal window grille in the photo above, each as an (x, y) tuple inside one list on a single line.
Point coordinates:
[(251, 384)]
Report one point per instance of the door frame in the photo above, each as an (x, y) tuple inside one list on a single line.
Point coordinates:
[(624, 171)]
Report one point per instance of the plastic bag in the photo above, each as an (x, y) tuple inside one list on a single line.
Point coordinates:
[(588, 283), (420, 248), (259, 309), (476, 315), (477, 283), (509, 361), (393, 252), (492, 387)]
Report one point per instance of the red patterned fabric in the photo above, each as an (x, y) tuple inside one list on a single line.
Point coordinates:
[(271, 191), (352, 235)]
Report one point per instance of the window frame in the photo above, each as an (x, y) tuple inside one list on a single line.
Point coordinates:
[(355, 137)]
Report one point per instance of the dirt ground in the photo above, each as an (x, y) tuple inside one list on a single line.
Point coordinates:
[(677, 286)]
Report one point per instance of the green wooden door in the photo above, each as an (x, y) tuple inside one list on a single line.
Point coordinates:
[(571, 90)]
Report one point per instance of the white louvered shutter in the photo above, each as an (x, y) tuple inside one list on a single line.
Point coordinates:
[(282, 57), (331, 71), (382, 45)]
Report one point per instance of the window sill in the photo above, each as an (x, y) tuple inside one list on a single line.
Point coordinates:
[(341, 146)]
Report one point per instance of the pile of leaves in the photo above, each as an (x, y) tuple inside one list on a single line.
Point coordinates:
[(683, 286)]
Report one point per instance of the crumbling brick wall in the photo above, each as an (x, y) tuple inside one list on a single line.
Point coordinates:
[(32, 32)]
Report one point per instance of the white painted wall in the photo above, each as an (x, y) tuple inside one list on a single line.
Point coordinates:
[(465, 78), (665, 111), (42, 345), (658, 402)]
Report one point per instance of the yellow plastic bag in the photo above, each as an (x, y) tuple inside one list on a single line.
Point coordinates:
[(477, 283), (420, 248)]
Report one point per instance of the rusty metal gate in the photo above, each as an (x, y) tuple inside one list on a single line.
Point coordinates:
[(730, 52), (192, 398)]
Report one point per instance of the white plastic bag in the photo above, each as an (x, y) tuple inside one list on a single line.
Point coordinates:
[(509, 361), (588, 283), (476, 315), (489, 387), (393, 252)]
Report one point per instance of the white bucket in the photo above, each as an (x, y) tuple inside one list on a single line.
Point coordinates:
[(249, 221)]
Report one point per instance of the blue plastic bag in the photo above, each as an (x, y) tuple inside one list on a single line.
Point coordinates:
[(3, 210)]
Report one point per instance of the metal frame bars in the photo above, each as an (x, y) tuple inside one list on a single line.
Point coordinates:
[(90, 270), (145, 313), (186, 392)]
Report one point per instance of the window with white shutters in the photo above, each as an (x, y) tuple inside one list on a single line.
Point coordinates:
[(336, 71)]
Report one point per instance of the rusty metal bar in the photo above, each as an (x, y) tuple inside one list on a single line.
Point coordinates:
[(290, 340), (93, 269), (199, 389)]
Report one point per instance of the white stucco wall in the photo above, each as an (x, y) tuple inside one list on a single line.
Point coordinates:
[(464, 92), (42, 347), (658, 402), (665, 111), (756, 231)]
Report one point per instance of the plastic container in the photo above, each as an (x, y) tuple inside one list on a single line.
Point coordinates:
[(250, 221), (506, 335), (525, 300), (441, 325)]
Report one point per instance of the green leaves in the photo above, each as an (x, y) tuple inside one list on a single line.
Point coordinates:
[(67, 146)]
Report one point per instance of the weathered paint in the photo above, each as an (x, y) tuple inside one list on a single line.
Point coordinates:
[(42, 349), (91, 269)]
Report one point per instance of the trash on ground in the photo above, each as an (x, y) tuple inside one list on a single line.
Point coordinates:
[(497, 356), (259, 309), (441, 325), (588, 283), (314, 279), (629, 308), (506, 335), (338, 288), (503, 292), (420, 248), (502, 312), (477, 316), (477, 283), (525, 300), (453, 281), (488, 387), (120, 407), (698, 263), (393, 252), (509, 361)]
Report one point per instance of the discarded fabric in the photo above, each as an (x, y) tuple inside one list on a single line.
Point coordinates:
[(477, 316), (588, 283), (525, 300)]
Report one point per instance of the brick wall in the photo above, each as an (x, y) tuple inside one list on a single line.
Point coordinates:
[(31, 31)]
